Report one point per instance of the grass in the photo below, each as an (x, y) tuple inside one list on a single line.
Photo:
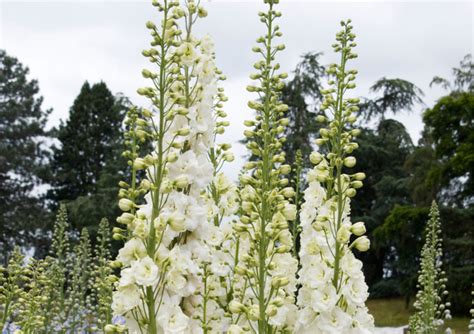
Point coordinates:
[(393, 313)]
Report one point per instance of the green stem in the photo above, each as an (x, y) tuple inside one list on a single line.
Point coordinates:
[(263, 326), (339, 154)]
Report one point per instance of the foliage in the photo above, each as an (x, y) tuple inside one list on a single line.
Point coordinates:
[(450, 124), (381, 155), (303, 96), (431, 306), (87, 166), (397, 95), (23, 157)]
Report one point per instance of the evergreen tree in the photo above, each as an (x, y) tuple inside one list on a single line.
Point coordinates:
[(303, 96), (87, 164), (23, 156), (397, 95)]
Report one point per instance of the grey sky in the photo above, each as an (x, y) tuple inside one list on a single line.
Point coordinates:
[(67, 42)]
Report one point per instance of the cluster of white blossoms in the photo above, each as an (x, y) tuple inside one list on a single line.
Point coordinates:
[(333, 290), (172, 260)]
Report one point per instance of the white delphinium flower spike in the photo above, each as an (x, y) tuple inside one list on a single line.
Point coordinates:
[(333, 292), (161, 259)]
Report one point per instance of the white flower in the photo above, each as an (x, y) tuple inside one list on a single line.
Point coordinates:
[(145, 271), (174, 321), (125, 299), (133, 250), (324, 299)]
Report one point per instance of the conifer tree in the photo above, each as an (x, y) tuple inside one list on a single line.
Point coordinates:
[(22, 155)]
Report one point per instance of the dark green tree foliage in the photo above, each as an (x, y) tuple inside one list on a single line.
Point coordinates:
[(23, 156), (381, 155), (87, 164), (397, 95), (450, 123), (302, 95), (424, 172)]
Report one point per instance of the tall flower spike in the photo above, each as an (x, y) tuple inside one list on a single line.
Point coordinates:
[(430, 304), (161, 278), (333, 292), (265, 283)]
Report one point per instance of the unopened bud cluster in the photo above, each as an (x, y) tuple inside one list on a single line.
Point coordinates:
[(431, 303), (265, 278)]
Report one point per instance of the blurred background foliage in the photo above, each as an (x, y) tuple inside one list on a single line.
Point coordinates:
[(79, 164)]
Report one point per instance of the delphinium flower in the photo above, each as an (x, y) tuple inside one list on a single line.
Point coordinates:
[(265, 280), (102, 277), (333, 291), (431, 306), (208, 305), (60, 258), (12, 281), (77, 304), (161, 257), (38, 300)]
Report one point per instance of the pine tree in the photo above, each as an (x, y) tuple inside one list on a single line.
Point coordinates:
[(22, 155), (87, 165)]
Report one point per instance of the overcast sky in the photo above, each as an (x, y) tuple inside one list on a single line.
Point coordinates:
[(67, 42)]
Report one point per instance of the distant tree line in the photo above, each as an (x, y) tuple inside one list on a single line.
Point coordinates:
[(77, 163)]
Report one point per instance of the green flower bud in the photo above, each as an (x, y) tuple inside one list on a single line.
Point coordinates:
[(358, 228), (349, 162)]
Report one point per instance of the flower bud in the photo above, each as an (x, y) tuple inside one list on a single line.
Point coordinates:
[(236, 307), (139, 163), (356, 184), (349, 162), (126, 204), (362, 244), (229, 156), (351, 192), (359, 176), (289, 211), (285, 169), (183, 132), (315, 158), (288, 192), (126, 218), (271, 310), (358, 228)]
